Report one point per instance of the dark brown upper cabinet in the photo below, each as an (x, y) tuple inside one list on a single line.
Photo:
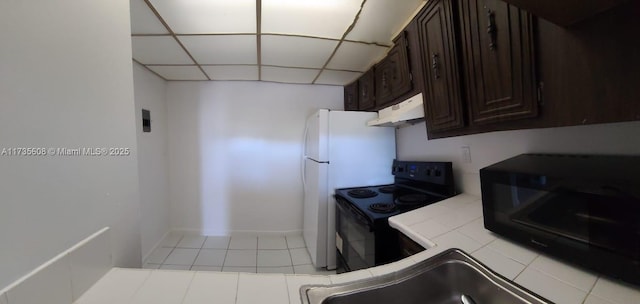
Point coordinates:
[(437, 34), (392, 74), (565, 12), (351, 96), (498, 60), (366, 87)]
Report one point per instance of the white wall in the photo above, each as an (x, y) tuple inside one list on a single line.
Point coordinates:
[(65, 81), (153, 158), (235, 152), (489, 148)]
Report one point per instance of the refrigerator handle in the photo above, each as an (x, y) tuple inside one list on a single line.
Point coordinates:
[(304, 139), (304, 172), (303, 165)]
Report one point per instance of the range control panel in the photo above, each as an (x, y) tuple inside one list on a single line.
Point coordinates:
[(433, 172)]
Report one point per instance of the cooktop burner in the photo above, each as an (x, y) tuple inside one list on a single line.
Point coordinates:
[(362, 193), (387, 189), (382, 207), (414, 185), (412, 199)]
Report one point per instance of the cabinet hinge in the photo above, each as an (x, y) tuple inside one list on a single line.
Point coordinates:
[(539, 93), (411, 76), (406, 42)]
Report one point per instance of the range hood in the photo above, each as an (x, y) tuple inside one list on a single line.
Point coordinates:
[(407, 112)]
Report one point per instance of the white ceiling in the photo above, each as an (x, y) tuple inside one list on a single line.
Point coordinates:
[(292, 41)]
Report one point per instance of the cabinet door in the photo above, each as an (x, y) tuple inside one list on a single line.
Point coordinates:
[(566, 12), (366, 87), (497, 48), (443, 103), (408, 247), (351, 96), (392, 76)]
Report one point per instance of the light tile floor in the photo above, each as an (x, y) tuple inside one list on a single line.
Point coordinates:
[(256, 254)]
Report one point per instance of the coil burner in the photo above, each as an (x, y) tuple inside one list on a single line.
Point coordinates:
[(362, 193)]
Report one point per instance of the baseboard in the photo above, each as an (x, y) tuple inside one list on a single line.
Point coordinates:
[(187, 231), (265, 233)]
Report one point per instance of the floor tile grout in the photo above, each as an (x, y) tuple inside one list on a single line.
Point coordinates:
[(226, 253), (172, 249), (291, 266)]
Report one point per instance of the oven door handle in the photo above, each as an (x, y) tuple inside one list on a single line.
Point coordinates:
[(354, 213)]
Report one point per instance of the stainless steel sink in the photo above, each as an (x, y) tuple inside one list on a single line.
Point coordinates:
[(450, 277)]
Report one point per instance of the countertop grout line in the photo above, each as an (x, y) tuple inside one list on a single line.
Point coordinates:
[(133, 295), (593, 286), (560, 279), (184, 296), (237, 287)]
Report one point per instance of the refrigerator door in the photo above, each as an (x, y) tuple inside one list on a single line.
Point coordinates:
[(359, 156), (315, 211), (317, 135)]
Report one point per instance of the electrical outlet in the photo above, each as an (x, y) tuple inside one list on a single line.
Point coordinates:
[(466, 154)]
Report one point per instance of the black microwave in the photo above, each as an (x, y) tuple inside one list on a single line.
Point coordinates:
[(584, 209)]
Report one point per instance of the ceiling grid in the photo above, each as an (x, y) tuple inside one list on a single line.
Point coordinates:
[(259, 36), (349, 29), (330, 42), (155, 12)]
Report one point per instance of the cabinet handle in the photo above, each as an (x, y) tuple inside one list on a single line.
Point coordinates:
[(384, 79), (435, 65), (491, 29)]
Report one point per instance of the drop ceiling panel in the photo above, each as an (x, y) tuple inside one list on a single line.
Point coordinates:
[(297, 38), (381, 19), (222, 49), (158, 50), (179, 72), (208, 16), (289, 75), (143, 20), (318, 18), (354, 56), (296, 51), (332, 77), (232, 72)]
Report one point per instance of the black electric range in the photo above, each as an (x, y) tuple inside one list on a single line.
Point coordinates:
[(363, 236)]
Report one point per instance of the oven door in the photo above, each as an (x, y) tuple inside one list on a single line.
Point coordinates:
[(355, 238)]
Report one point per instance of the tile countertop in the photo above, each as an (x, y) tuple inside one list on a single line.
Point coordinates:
[(457, 223), (452, 223)]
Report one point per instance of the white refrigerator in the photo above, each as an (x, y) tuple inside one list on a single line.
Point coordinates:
[(340, 151)]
